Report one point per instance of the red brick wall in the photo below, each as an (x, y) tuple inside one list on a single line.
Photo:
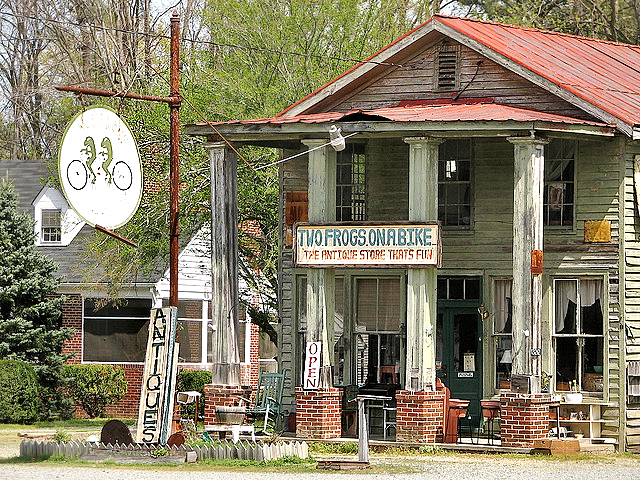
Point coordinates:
[(318, 413), (525, 418), (72, 318), (420, 416), (128, 406)]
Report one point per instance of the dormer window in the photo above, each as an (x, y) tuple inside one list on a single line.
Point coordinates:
[(447, 68), (51, 228)]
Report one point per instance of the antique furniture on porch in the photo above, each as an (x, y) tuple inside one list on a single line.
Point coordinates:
[(458, 410), (490, 413), (268, 400)]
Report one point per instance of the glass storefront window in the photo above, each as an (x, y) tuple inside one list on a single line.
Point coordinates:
[(578, 335)]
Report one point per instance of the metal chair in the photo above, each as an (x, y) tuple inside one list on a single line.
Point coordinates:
[(490, 413), (387, 421)]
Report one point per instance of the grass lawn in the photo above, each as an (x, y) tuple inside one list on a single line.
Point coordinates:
[(77, 428)]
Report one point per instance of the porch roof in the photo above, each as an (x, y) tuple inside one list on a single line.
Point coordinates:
[(409, 118)]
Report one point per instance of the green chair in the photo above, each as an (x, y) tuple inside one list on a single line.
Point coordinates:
[(268, 400)]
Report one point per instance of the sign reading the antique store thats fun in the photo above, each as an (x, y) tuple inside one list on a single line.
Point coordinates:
[(340, 245), (99, 168)]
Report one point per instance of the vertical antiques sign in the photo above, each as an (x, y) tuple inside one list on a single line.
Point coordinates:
[(159, 378), (312, 366)]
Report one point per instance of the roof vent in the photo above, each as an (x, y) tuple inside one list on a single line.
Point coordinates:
[(447, 68)]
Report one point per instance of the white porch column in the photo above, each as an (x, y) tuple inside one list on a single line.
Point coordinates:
[(527, 236), (422, 299), (321, 282), (224, 267)]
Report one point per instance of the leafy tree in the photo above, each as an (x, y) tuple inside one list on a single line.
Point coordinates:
[(30, 311)]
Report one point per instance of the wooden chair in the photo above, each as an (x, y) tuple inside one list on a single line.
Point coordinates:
[(268, 400)]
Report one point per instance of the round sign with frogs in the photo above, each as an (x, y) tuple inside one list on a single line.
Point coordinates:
[(99, 168)]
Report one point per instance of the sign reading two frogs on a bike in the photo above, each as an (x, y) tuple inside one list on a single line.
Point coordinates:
[(99, 168)]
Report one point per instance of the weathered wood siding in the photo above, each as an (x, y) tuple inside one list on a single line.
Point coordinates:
[(293, 177), (485, 248), (631, 298), (414, 81)]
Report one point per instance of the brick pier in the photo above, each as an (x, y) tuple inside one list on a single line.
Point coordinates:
[(420, 416), (525, 418), (318, 413)]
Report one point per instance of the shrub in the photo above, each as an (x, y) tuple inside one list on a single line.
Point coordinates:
[(193, 380), (18, 391), (93, 387)]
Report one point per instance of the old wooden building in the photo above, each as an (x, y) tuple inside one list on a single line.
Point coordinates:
[(522, 144)]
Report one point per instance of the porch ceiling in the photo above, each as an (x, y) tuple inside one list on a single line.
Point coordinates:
[(451, 119)]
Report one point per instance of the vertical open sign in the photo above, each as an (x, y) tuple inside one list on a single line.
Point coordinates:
[(312, 364)]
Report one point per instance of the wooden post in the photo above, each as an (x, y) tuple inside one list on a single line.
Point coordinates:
[(422, 282), (224, 269), (527, 236), (321, 282)]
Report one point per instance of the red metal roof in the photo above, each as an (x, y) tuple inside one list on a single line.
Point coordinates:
[(606, 74), (463, 112)]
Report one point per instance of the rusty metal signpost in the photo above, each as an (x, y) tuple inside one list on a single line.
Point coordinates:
[(174, 100), (156, 407)]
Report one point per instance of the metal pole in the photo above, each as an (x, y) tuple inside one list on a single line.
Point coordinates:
[(174, 135)]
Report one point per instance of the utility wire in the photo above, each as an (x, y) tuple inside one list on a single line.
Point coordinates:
[(301, 153), (194, 41)]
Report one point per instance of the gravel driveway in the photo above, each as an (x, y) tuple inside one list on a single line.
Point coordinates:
[(440, 467)]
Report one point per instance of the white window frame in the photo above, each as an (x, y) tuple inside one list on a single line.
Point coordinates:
[(581, 336), (51, 227)]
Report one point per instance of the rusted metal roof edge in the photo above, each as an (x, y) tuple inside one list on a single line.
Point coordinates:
[(243, 132)]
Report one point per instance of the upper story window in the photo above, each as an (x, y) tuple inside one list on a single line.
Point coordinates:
[(454, 183), (350, 183), (56, 224), (50, 226), (559, 183), (447, 68)]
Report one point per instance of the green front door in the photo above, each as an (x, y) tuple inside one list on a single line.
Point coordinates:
[(459, 353)]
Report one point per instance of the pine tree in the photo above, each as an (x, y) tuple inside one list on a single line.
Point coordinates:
[(30, 309)]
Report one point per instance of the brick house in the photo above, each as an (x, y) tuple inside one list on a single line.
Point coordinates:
[(522, 147), (118, 335)]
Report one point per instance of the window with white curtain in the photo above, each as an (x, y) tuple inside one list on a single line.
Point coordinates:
[(502, 332), (578, 335)]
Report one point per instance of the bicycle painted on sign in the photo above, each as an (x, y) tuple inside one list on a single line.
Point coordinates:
[(79, 172)]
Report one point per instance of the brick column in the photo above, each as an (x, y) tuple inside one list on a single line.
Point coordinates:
[(222, 395), (72, 318), (525, 418), (318, 413), (420, 416)]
